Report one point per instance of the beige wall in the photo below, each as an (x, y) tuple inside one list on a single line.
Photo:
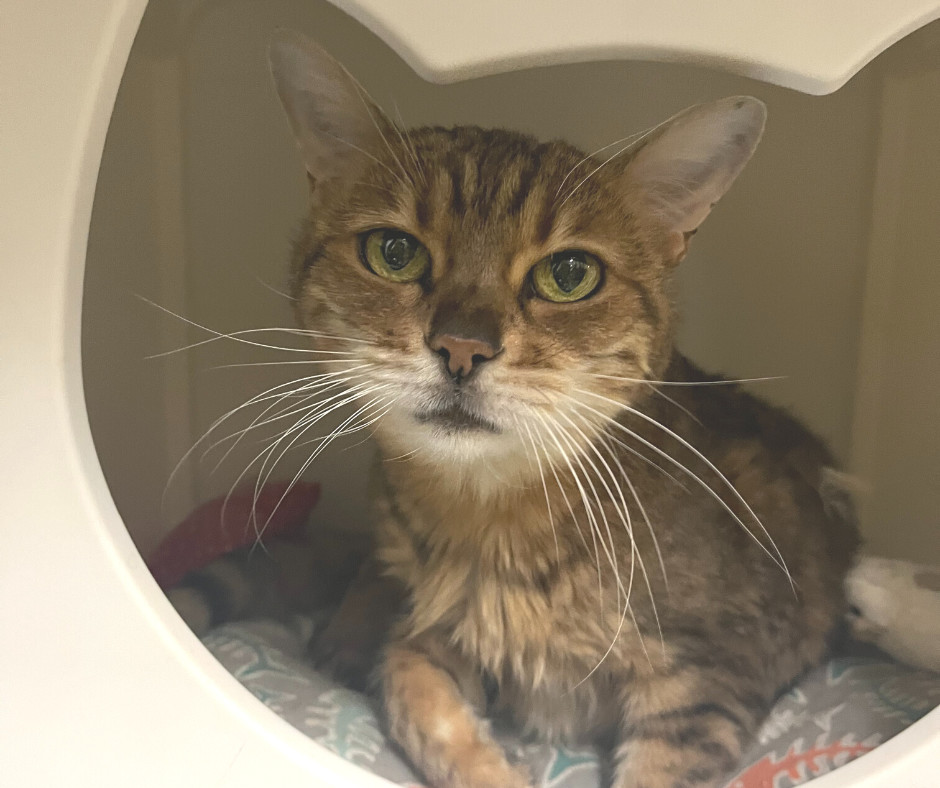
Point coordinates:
[(896, 435), (774, 286)]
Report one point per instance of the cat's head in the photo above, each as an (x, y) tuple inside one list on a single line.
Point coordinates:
[(495, 296)]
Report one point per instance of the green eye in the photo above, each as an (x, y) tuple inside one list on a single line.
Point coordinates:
[(566, 276), (395, 255)]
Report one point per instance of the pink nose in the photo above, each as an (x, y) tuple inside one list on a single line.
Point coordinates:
[(462, 355)]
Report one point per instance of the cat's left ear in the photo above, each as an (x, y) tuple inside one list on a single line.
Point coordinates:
[(336, 125), (685, 165)]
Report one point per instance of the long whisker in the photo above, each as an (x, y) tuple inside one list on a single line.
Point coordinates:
[(310, 362), (268, 452), (365, 98), (274, 289), (720, 475), (628, 524), (307, 393), (634, 556), (624, 515), (720, 382), (624, 512), (351, 430), (305, 423), (626, 477), (309, 461), (548, 504), (408, 143), (269, 393), (636, 140), (236, 336), (611, 551), (401, 457), (777, 559), (628, 138), (591, 524), (561, 489), (318, 412), (679, 405)]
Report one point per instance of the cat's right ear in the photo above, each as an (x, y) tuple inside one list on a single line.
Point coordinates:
[(335, 124), (681, 168)]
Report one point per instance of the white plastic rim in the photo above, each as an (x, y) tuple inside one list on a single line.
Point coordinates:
[(102, 683), (811, 46)]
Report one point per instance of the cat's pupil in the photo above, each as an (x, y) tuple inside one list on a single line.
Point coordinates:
[(398, 250), (568, 269)]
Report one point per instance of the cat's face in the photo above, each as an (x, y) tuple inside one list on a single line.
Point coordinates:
[(493, 296), (480, 343)]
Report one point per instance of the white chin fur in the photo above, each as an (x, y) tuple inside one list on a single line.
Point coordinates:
[(478, 458)]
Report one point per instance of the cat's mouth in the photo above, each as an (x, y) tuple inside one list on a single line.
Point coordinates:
[(454, 418)]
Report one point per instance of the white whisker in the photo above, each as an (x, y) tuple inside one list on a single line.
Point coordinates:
[(236, 336), (720, 382), (610, 552), (267, 466), (401, 457), (288, 411), (280, 363), (635, 139), (624, 514), (368, 103), (324, 442), (548, 505), (408, 143), (639, 503), (561, 489), (299, 427), (778, 559), (274, 289), (587, 509), (628, 524), (628, 138), (269, 393), (679, 405)]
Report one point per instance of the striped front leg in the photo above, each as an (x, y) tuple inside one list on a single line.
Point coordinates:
[(687, 730), (430, 695)]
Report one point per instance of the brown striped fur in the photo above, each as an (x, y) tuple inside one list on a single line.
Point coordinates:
[(516, 543)]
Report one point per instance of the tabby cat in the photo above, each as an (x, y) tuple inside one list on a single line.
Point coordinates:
[(587, 536)]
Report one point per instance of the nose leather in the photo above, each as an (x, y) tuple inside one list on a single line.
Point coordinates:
[(462, 355)]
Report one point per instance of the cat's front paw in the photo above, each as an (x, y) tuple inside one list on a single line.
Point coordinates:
[(484, 766), (347, 647), (345, 651)]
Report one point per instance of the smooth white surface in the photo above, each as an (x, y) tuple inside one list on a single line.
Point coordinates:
[(807, 45), (102, 685)]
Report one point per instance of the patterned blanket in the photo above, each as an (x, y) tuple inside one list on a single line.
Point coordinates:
[(835, 714)]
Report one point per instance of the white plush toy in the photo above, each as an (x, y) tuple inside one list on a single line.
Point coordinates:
[(898, 609)]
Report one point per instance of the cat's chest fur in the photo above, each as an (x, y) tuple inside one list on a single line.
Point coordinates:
[(521, 603), (477, 568)]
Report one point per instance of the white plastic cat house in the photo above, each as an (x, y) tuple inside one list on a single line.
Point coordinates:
[(103, 684)]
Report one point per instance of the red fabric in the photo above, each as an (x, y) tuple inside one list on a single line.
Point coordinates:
[(204, 536)]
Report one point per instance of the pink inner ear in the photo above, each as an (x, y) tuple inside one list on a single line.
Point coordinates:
[(691, 160), (677, 245)]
